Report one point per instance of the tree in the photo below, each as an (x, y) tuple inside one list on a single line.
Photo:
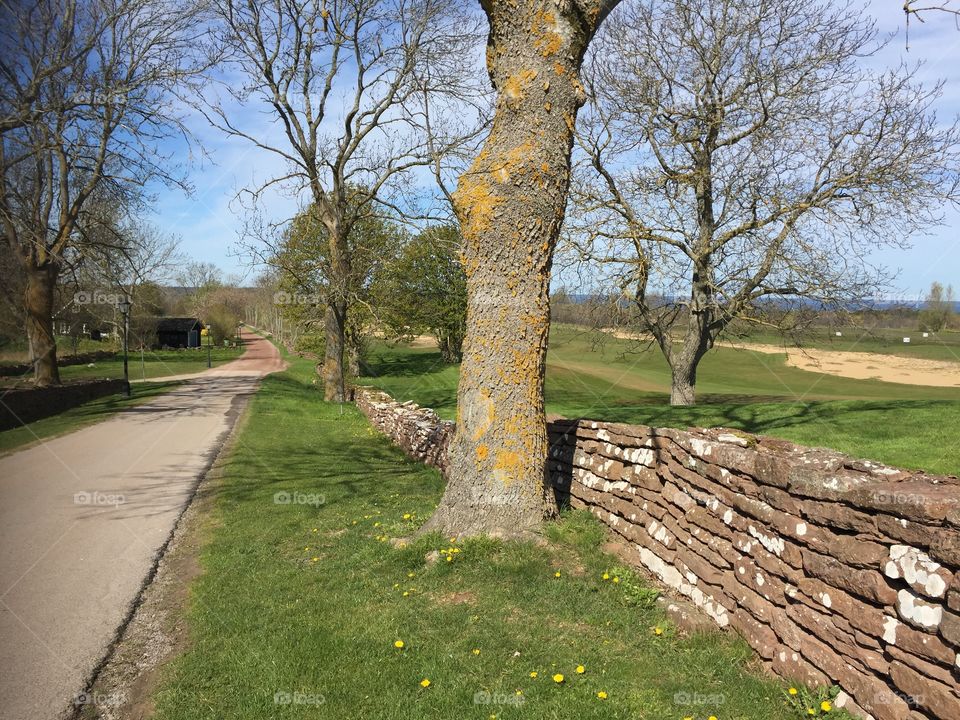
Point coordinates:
[(306, 273), (347, 81), (737, 154), (85, 98), (424, 290), (938, 310), (510, 205)]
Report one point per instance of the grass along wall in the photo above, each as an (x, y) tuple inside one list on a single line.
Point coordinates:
[(835, 570)]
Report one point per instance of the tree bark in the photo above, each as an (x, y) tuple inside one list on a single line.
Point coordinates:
[(38, 302), (335, 318), (334, 322), (510, 204), (683, 388)]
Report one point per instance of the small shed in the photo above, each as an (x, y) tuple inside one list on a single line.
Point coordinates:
[(178, 332)]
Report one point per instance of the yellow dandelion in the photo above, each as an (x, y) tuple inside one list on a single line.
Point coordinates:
[(581, 669), (425, 683), (792, 691), (658, 631), (826, 706), (533, 673), (410, 575), (314, 559), (556, 574), (606, 576), (405, 593), (558, 678), (449, 558), (616, 579), (476, 651), (602, 695), (398, 644), (314, 530), (407, 516), (376, 524), (811, 711)]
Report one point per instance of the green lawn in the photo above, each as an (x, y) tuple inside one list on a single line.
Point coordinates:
[(155, 363), (305, 602), (75, 418), (607, 379)]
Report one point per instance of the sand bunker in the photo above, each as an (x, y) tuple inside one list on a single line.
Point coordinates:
[(854, 365)]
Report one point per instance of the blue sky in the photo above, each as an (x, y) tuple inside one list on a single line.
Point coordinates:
[(210, 219)]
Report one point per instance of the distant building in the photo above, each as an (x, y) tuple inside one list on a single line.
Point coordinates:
[(178, 332)]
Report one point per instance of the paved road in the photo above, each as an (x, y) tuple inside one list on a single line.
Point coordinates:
[(82, 518)]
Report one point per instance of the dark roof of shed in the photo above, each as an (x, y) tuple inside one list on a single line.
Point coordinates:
[(180, 324)]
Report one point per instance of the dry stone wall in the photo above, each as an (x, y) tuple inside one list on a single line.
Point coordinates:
[(835, 570)]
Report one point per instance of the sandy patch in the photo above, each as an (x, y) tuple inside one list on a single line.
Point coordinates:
[(853, 365), (865, 366)]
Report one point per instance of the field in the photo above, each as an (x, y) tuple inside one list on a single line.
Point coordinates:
[(598, 376), (306, 609)]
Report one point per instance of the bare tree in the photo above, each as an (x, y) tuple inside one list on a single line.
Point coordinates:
[(738, 153), (346, 82), (510, 204), (87, 91)]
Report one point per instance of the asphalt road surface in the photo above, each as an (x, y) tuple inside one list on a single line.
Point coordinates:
[(82, 519)]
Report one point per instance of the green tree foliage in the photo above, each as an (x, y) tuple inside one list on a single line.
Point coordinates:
[(424, 290), (938, 310), (302, 261)]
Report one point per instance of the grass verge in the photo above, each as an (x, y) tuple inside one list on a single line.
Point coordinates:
[(303, 599), (80, 416)]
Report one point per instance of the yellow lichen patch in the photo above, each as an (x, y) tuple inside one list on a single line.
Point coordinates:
[(517, 84), (506, 465), (476, 203), (559, 69), (482, 452), (547, 40)]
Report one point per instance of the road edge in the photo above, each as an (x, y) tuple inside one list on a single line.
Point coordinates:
[(153, 630)]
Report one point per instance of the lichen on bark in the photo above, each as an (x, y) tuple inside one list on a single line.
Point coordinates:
[(510, 204)]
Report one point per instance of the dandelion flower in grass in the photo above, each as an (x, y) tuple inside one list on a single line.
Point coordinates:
[(410, 575), (616, 579), (581, 669), (476, 651), (556, 574), (558, 678), (712, 717), (658, 631), (449, 558), (826, 706), (811, 711), (314, 530), (533, 673), (425, 683), (792, 691), (606, 576), (602, 695), (314, 559), (407, 516), (405, 593)]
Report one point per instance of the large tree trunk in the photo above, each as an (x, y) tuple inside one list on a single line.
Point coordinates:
[(510, 205), (683, 388), (38, 302), (335, 336), (335, 319)]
